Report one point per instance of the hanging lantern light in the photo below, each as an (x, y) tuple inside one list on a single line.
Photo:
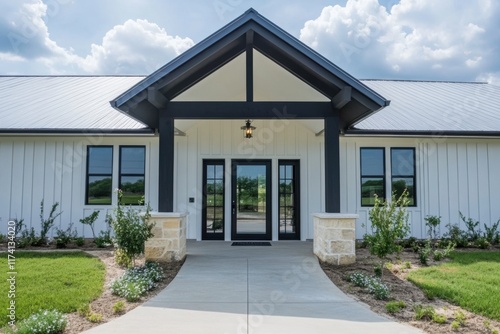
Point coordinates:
[(248, 129)]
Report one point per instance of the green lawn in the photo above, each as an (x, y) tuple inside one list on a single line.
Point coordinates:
[(471, 280), (51, 280)]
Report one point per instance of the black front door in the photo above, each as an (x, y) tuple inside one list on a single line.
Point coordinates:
[(251, 200)]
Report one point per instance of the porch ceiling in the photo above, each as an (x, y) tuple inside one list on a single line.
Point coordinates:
[(252, 36)]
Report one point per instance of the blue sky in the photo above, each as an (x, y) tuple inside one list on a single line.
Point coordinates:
[(386, 39)]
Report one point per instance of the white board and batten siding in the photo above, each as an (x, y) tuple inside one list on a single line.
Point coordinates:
[(452, 175), (54, 169), (273, 140)]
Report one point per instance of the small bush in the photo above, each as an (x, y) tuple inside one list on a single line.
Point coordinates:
[(373, 284), (491, 233), (94, 317), (122, 259), (44, 321), (137, 281), (103, 240), (79, 241), (395, 306), (378, 269), (482, 243), (47, 224), (90, 220), (119, 307), (424, 253), (407, 265), (359, 279), (460, 318), (84, 310), (432, 222), (437, 255), (64, 237), (455, 325), (423, 313), (439, 318), (457, 236), (472, 232), (408, 243)]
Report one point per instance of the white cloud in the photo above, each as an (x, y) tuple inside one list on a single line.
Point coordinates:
[(135, 47), (138, 47), (414, 39)]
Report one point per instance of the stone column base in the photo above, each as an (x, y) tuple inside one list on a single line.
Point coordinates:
[(169, 241), (334, 237)]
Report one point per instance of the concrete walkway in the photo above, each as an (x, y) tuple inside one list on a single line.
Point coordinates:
[(224, 289)]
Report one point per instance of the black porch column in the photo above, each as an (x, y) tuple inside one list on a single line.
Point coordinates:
[(332, 165), (166, 164)]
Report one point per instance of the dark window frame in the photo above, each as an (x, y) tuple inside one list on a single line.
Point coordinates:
[(120, 174), (88, 174), (414, 176), (296, 198), (383, 176), (204, 232)]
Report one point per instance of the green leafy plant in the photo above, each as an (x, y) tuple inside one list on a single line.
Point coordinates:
[(407, 265), (491, 234), (131, 228), (460, 318), (122, 259), (87, 312), (28, 237), (119, 307), (94, 317), (437, 255), (374, 285), (104, 239), (389, 225), (423, 312), (44, 321), (432, 223), (395, 306), (137, 281), (64, 237), (424, 253), (378, 268), (90, 220), (79, 241), (46, 224), (19, 226), (457, 236), (482, 243), (471, 224), (439, 318)]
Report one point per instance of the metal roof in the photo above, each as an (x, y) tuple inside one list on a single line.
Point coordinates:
[(64, 103), (430, 106)]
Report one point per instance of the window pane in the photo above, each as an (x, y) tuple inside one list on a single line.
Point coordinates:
[(372, 161), (132, 160), (399, 184), (371, 187), (219, 172), (402, 162), (132, 188), (99, 190), (210, 172), (100, 160)]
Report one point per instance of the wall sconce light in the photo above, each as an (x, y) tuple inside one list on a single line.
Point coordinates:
[(248, 129)]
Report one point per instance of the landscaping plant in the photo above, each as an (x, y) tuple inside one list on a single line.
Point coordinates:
[(90, 220), (44, 321), (131, 228), (47, 224), (373, 284), (432, 223), (64, 237), (137, 281), (389, 225), (395, 306), (471, 224)]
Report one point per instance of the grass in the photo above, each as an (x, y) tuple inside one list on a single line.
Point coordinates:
[(51, 280), (470, 280)]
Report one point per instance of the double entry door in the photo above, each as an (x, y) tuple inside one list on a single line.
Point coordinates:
[(250, 211)]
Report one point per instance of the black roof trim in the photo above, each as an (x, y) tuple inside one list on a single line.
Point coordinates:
[(421, 133), (79, 131)]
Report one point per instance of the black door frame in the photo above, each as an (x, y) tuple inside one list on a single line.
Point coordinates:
[(204, 234), (296, 198), (269, 204)]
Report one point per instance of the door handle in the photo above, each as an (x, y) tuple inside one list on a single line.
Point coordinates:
[(234, 207)]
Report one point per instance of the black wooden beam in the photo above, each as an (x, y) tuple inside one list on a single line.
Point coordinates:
[(342, 98), (249, 65), (166, 164), (239, 110), (156, 98), (332, 165)]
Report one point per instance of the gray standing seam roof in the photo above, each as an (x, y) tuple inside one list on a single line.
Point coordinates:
[(64, 103)]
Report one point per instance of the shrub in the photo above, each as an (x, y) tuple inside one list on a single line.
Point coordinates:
[(407, 265), (408, 243), (439, 318), (104, 239), (359, 279), (94, 317), (437, 255), (424, 253), (131, 228), (471, 224), (47, 322), (79, 241), (90, 220), (119, 307), (395, 306), (373, 284), (460, 318), (47, 224), (491, 233), (137, 281), (457, 236), (389, 225), (423, 313), (64, 237), (482, 243), (378, 268), (122, 259), (86, 312), (432, 223)]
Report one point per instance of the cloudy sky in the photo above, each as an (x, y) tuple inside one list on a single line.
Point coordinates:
[(386, 39)]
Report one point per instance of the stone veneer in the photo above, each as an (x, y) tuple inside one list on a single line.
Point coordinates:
[(169, 241), (334, 237)]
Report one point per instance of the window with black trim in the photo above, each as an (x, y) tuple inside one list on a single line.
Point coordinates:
[(99, 181), (132, 174), (372, 174), (403, 173)]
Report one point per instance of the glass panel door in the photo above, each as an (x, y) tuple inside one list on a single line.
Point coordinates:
[(213, 200), (251, 200), (289, 201)]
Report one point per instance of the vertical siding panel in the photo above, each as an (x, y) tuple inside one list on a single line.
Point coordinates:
[(6, 152), (472, 180), (38, 180), (215, 137), (453, 186), (483, 174), (17, 180), (444, 195), (193, 183), (311, 184), (463, 187), (67, 165), (352, 183), (494, 179), (204, 139), (226, 137), (418, 228), (78, 170), (280, 136), (181, 186), (58, 184), (291, 139), (28, 181)]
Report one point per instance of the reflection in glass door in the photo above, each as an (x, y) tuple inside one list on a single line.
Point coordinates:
[(289, 201), (213, 200), (251, 200)]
